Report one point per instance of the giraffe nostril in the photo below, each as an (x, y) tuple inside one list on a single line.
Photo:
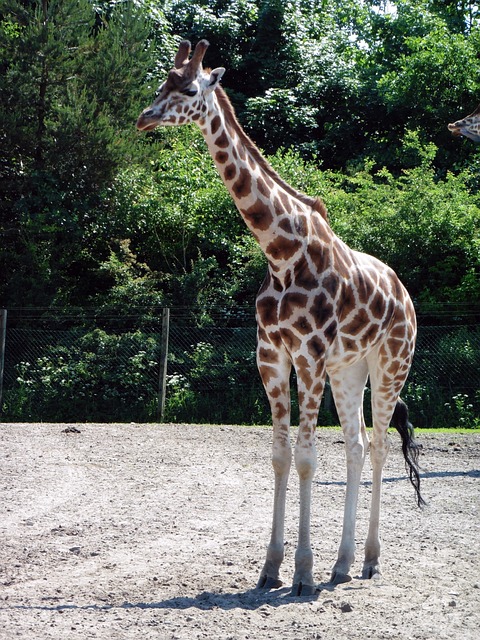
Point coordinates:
[(147, 113)]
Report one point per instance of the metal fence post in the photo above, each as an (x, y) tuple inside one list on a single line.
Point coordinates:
[(162, 375), (3, 333)]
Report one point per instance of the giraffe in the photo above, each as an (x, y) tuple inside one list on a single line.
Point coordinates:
[(468, 127), (323, 308)]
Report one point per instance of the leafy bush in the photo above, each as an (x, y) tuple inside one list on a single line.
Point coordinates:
[(215, 380), (443, 387), (98, 377)]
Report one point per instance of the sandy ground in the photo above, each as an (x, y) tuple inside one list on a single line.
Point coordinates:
[(147, 531)]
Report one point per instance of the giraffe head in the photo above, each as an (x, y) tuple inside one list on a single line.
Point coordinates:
[(184, 95), (468, 127)]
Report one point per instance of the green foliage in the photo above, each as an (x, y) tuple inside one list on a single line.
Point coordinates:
[(94, 215), (335, 81), (442, 389), (213, 382), (178, 219), (98, 376), (425, 229), (70, 77), (462, 412)]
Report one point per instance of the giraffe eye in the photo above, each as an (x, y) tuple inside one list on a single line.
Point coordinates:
[(189, 92)]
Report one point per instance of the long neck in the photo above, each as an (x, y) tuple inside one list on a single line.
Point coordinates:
[(277, 215)]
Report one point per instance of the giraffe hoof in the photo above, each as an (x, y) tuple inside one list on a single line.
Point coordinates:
[(269, 583), (339, 578), (302, 590), (371, 572)]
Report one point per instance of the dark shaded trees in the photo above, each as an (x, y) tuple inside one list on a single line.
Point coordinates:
[(70, 82), (92, 214)]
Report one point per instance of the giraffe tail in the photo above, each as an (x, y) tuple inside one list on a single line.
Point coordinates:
[(410, 448)]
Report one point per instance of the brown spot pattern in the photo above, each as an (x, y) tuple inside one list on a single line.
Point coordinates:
[(230, 171), (330, 284), (349, 344), (357, 324), (290, 302), (258, 216), (397, 332), (330, 332), (303, 372), (285, 225), (221, 157), (341, 261), (370, 334), (222, 141), (262, 187), (243, 185), (283, 248), (215, 124), (303, 326), (315, 347), (319, 256), (303, 277), (301, 226), (346, 302), (277, 285), (268, 355), (377, 306), (280, 410), (267, 310), (321, 309), (267, 373), (365, 288), (290, 340)]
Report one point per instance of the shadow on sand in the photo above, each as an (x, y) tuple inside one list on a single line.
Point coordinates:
[(249, 600), (472, 473)]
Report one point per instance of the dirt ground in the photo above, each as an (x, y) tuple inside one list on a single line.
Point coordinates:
[(147, 531)]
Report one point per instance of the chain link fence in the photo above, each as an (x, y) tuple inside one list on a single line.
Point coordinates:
[(96, 373)]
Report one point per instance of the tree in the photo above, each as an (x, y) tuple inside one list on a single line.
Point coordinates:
[(69, 86)]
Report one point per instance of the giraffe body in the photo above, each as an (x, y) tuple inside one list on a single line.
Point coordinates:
[(323, 309)]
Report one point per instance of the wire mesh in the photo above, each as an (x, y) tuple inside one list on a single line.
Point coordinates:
[(98, 374)]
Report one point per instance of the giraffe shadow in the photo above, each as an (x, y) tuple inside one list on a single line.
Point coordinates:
[(249, 600), (208, 600), (472, 473)]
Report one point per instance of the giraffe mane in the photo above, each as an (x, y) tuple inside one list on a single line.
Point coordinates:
[(475, 113), (315, 203)]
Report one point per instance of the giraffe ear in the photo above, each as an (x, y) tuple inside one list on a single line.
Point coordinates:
[(214, 78)]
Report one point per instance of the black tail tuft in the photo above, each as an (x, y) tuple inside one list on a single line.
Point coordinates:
[(409, 447)]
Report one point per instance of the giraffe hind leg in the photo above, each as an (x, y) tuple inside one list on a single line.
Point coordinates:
[(386, 407), (348, 387)]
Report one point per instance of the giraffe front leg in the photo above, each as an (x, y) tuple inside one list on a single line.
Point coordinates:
[(281, 462), (348, 387), (309, 394), (305, 462), (276, 382)]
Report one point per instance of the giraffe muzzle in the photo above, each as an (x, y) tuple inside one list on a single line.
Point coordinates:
[(454, 128), (145, 123)]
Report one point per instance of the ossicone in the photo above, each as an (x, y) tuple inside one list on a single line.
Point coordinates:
[(183, 53), (191, 67)]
